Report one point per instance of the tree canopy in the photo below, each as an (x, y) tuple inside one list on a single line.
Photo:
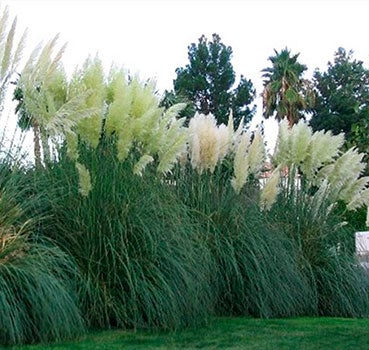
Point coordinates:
[(286, 94), (342, 95), (207, 83)]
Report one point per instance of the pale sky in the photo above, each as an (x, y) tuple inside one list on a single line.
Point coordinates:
[(151, 37)]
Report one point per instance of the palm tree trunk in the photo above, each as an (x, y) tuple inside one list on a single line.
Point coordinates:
[(290, 119), (45, 146), (37, 144)]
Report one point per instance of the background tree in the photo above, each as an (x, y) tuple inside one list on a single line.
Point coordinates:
[(286, 94), (342, 99), (207, 83), (342, 95)]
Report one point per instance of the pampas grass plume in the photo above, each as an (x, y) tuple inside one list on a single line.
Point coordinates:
[(204, 136), (84, 180), (241, 163), (270, 191), (257, 153)]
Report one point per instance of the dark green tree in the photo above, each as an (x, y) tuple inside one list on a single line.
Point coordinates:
[(286, 94), (342, 103), (207, 83)]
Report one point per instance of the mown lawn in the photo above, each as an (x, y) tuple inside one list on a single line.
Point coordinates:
[(235, 333)]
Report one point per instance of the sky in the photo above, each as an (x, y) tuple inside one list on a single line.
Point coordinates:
[(151, 37)]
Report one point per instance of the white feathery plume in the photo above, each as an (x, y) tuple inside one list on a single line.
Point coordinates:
[(204, 142), (237, 134), (195, 150), (282, 148), (256, 153), (172, 144), (346, 168), (84, 180), (300, 138), (323, 149), (241, 163), (270, 191), (353, 189), (224, 141), (359, 200), (142, 163)]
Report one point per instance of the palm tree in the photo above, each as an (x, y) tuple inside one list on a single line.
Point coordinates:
[(286, 94), (40, 90), (45, 104), (26, 122)]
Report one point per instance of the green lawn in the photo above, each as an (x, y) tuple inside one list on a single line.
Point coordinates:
[(236, 333)]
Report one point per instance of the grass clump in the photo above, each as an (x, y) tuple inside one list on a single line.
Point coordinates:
[(324, 250), (254, 266), (141, 263), (316, 178), (37, 280)]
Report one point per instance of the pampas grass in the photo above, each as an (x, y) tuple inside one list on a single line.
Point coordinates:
[(324, 246), (38, 281), (254, 265), (141, 262)]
